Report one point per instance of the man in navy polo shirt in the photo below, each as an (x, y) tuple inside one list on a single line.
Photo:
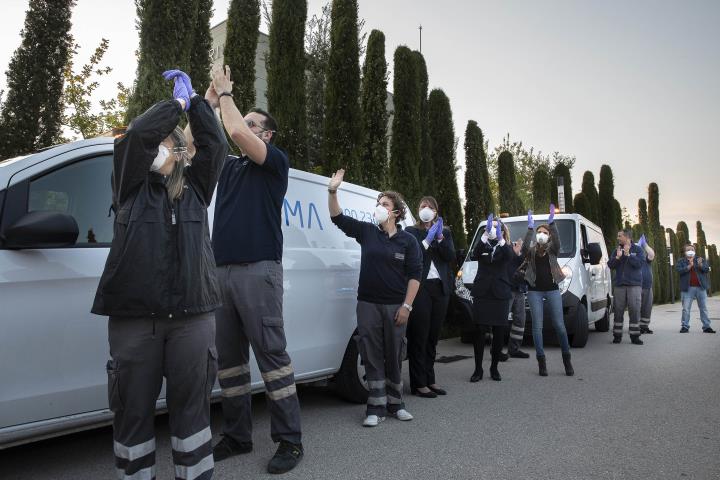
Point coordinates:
[(248, 242)]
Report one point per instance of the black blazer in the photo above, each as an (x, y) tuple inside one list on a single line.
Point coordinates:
[(442, 254), (491, 280)]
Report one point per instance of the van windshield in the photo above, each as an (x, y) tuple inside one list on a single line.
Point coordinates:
[(518, 229)]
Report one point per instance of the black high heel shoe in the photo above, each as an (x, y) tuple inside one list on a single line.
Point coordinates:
[(476, 376), (418, 393)]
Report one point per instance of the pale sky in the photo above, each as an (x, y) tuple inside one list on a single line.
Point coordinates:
[(635, 84)]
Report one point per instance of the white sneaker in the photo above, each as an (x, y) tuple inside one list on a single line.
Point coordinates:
[(372, 421), (403, 415)]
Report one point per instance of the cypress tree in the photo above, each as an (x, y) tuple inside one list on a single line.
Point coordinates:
[(442, 144), (701, 240), (580, 205), (683, 234), (479, 202), (317, 41), (618, 215), (342, 108), (507, 185), (659, 244), (426, 169), (240, 47), (608, 212), (161, 48), (405, 141), (541, 188), (32, 110), (373, 97), (199, 69), (643, 219), (286, 77), (562, 170), (676, 251), (592, 197)]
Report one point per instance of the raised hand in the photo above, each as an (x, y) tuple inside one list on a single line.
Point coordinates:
[(171, 74), (212, 97), (643, 241), (618, 254), (221, 79), (488, 225), (439, 235), (180, 91), (432, 232), (531, 221), (517, 246), (551, 218), (336, 179)]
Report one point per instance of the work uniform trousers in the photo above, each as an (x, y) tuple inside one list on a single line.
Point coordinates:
[(630, 298), (646, 305), (142, 351), (423, 332), (252, 315), (517, 328), (382, 347)]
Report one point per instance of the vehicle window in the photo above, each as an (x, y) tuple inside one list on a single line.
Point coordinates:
[(82, 190), (595, 237), (518, 229)]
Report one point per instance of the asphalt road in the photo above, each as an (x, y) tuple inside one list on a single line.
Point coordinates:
[(631, 412)]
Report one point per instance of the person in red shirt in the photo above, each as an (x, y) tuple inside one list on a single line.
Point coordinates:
[(693, 285)]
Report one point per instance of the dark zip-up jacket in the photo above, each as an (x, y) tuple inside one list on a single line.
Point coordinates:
[(628, 268), (161, 261), (439, 253), (701, 271)]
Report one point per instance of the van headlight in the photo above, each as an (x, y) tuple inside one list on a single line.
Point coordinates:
[(565, 284)]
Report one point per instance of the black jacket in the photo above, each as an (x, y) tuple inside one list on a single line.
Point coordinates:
[(492, 281), (161, 261), (442, 254)]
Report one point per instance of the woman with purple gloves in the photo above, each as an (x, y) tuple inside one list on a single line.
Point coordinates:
[(491, 293), (543, 274)]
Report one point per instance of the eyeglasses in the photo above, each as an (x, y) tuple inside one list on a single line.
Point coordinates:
[(251, 124)]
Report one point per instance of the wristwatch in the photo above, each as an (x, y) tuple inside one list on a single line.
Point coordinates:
[(409, 307)]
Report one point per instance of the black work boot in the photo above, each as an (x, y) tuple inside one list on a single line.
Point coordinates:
[(617, 338), (646, 331), (227, 447), (635, 339), (287, 456), (542, 367), (568, 366)]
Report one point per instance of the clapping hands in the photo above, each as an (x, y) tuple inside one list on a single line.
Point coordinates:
[(182, 89), (435, 232)]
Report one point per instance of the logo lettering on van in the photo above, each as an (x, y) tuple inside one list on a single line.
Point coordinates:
[(297, 211)]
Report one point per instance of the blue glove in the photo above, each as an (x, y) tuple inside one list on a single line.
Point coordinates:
[(174, 74), (531, 221), (643, 241), (432, 232), (551, 218), (488, 225), (440, 228), (498, 230)]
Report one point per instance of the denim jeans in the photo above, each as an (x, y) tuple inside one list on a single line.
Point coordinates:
[(687, 298), (554, 301)]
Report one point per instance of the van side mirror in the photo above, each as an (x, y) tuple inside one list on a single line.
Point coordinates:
[(594, 253), (42, 229), (460, 255)]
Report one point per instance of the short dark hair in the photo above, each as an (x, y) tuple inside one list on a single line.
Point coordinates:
[(269, 123), (685, 247), (627, 232), (398, 204)]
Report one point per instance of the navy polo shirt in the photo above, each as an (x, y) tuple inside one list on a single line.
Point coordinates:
[(386, 263), (247, 224), (647, 275)]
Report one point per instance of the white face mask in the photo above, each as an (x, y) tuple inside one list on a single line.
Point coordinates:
[(427, 214), (690, 253), (542, 238), (492, 235), (163, 154), (381, 214)]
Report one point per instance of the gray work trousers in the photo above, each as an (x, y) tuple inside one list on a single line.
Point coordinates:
[(142, 351), (630, 298), (382, 347), (252, 315), (646, 305), (517, 329)]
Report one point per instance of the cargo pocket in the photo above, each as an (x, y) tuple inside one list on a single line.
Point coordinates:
[(403, 349), (273, 335), (212, 370), (114, 400)]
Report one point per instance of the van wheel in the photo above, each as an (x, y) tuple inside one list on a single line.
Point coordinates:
[(603, 325), (579, 338), (351, 381)]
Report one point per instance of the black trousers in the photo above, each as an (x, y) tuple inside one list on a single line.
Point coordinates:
[(498, 339), (423, 331)]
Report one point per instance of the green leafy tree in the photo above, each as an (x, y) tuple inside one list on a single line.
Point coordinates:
[(442, 144), (31, 115), (240, 48), (373, 97), (541, 188), (317, 47), (479, 202), (427, 167), (562, 169), (286, 77), (659, 244), (608, 205), (201, 44), (405, 141), (592, 197), (342, 93), (580, 204), (509, 201)]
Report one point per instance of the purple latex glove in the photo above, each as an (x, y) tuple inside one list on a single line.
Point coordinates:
[(439, 235), (531, 221), (643, 241), (179, 91), (551, 218), (432, 232), (498, 230), (174, 74), (488, 225)]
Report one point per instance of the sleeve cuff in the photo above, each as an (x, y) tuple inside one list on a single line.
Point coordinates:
[(425, 244)]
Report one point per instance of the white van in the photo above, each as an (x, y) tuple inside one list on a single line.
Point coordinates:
[(586, 290), (53, 350)]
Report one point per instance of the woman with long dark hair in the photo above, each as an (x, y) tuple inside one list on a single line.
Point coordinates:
[(543, 274), (159, 287), (432, 300)]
